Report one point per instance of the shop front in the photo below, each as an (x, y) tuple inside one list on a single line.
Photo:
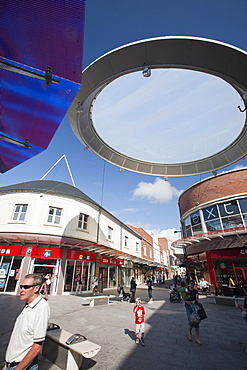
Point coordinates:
[(226, 269), (82, 264), (126, 273), (10, 266), (108, 271)]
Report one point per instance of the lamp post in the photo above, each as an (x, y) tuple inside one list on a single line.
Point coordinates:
[(185, 256)]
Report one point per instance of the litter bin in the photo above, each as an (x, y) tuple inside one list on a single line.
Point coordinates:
[(100, 286)]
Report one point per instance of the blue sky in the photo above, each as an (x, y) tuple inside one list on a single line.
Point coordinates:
[(143, 201)]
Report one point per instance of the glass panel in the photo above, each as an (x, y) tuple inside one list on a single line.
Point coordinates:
[(13, 275), (197, 229), (243, 204), (84, 276), (225, 275), (210, 213), (68, 276), (213, 225), (232, 222), (195, 218), (229, 208), (112, 281)]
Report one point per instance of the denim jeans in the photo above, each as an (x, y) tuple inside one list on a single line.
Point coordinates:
[(189, 312), (34, 365)]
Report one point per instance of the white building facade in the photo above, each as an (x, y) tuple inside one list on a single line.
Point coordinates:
[(49, 227)]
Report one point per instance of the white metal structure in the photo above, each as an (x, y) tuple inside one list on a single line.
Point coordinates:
[(215, 58)]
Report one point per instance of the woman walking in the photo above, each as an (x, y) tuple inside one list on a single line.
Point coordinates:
[(193, 298)]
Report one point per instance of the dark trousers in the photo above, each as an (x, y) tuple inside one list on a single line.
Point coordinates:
[(132, 299)]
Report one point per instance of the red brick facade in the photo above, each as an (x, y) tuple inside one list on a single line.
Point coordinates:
[(213, 188)]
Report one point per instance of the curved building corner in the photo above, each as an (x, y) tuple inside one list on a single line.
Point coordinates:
[(214, 230)]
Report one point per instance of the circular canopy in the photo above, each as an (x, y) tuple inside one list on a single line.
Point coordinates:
[(180, 137)]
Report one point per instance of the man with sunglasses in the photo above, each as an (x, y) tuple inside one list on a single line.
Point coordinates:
[(30, 327)]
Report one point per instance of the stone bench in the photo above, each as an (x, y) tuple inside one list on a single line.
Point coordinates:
[(67, 356), (98, 300), (224, 300)]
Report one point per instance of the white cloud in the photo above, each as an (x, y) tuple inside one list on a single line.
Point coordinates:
[(124, 210), (158, 192), (168, 234), (139, 224)]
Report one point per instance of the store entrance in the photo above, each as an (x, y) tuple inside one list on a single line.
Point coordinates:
[(47, 269), (241, 273)]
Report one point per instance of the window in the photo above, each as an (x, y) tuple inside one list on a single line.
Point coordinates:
[(150, 253), (126, 241), (110, 233), (20, 212), (144, 250), (83, 221), (137, 247), (54, 215)]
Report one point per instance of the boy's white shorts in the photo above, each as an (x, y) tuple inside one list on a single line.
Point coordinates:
[(140, 328)]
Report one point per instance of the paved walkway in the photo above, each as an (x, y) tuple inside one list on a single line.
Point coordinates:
[(224, 333)]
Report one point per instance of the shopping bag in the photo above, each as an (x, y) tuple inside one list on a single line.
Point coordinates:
[(200, 311)]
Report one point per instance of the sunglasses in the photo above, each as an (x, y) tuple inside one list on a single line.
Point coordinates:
[(26, 286)]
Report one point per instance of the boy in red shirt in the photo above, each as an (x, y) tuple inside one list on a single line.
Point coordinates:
[(139, 312)]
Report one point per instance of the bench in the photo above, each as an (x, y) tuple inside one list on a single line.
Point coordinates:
[(224, 300), (67, 356), (98, 300)]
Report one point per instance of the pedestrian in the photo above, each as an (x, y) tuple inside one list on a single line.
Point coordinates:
[(204, 285), (139, 312), (150, 289), (193, 298), (95, 285), (48, 283), (133, 289), (78, 284), (30, 327)]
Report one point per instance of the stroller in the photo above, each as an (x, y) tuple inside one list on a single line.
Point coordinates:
[(122, 295), (175, 295)]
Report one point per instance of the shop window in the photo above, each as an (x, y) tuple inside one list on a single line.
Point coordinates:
[(197, 229), (213, 225), (187, 227), (195, 219), (20, 212), (110, 233), (137, 247), (83, 221), (229, 208), (243, 204), (54, 215), (210, 213), (245, 219), (232, 222)]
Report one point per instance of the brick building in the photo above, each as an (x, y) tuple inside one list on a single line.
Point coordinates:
[(214, 225)]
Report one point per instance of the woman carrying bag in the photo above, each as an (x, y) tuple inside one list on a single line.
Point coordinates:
[(193, 299)]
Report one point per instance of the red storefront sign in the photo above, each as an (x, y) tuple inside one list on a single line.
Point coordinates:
[(81, 255), (228, 253), (13, 250), (111, 261), (46, 253)]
